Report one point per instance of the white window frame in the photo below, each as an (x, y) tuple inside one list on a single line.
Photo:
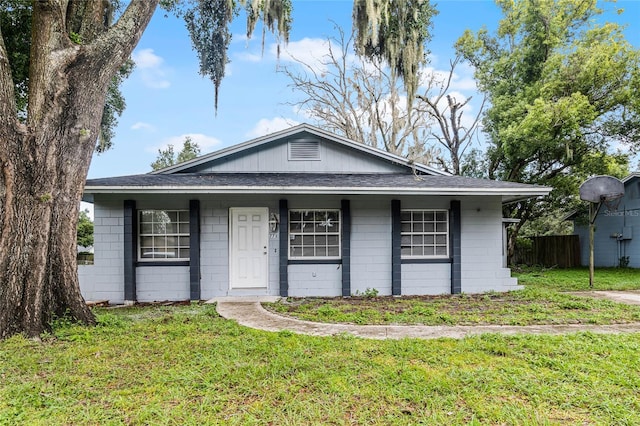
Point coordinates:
[(337, 232), (182, 222), (435, 233)]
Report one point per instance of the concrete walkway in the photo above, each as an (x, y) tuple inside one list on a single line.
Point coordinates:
[(631, 297), (252, 314)]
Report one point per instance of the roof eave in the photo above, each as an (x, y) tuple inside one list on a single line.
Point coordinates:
[(508, 195)]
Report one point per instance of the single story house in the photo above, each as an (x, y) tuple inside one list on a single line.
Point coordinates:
[(300, 212), (614, 244)]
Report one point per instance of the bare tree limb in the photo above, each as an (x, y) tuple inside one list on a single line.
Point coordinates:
[(359, 99), (448, 113)]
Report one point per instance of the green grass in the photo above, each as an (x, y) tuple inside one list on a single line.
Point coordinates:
[(187, 366), (543, 301), (526, 307), (577, 279)]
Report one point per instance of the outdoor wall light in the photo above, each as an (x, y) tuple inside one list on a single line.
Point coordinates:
[(273, 222)]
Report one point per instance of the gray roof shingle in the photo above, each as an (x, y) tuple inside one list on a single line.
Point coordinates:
[(301, 180), (312, 183)]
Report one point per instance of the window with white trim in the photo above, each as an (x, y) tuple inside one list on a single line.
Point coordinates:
[(163, 235), (314, 234), (424, 234)]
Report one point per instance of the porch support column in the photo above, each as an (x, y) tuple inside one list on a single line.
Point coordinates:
[(455, 244), (345, 206), (396, 244), (194, 249), (284, 248), (130, 250)]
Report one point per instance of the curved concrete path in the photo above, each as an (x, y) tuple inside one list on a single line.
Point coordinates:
[(252, 314)]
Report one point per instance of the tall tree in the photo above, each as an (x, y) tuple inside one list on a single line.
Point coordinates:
[(76, 47), (167, 157), (360, 99), (49, 129), (453, 133), (560, 89)]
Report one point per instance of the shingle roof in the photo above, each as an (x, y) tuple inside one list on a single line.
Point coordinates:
[(313, 183), (302, 179)]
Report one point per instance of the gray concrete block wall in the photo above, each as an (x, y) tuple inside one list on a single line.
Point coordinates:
[(159, 283), (426, 279), (481, 247), (370, 251), (371, 245), (315, 280), (214, 245), (104, 280), (214, 249)]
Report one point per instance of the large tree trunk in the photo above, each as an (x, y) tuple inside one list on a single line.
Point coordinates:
[(44, 162)]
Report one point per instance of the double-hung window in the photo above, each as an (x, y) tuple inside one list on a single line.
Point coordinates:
[(164, 235), (424, 234), (314, 234)]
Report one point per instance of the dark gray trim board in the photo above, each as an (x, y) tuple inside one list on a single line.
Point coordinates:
[(130, 250), (284, 248), (163, 263), (396, 248), (194, 249), (315, 262), (455, 230), (415, 261), (345, 206)]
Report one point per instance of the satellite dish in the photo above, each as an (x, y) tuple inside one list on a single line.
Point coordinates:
[(601, 188)]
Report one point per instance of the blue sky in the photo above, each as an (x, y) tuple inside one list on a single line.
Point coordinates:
[(167, 99)]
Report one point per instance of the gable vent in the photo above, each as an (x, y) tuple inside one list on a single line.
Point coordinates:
[(304, 149)]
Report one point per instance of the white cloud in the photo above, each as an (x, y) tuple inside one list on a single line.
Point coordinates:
[(462, 79), (206, 143), (266, 126), (151, 68), (140, 125), (248, 57), (87, 206), (310, 51)]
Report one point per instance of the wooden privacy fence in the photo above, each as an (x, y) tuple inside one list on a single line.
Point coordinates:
[(562, 251)]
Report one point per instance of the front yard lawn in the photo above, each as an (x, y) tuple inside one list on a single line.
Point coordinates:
[(543, 301), (186, 365), (577, 279), (525, 307)]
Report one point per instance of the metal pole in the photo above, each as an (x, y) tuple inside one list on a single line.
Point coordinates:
[(591, 240)]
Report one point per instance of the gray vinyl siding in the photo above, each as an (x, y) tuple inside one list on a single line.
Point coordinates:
[(274, 158), (626, 219)]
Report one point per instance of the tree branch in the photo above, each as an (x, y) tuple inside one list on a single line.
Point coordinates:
[(113, 47)]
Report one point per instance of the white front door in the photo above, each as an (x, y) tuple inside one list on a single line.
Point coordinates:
[(248, 247)]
